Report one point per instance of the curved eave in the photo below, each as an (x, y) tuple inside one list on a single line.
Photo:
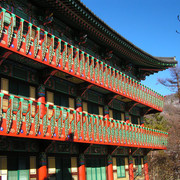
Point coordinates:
[(86, 19)]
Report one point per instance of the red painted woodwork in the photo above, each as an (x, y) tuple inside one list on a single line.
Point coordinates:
[(146, 171), (82, 172), (144, 95), (42, 173), (86, 127), (131, 172), (42, 101), (110, 171)]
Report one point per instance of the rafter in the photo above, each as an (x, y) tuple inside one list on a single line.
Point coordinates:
[(5, 56), (52, 73), (111, 98), (131, 105), (83, 88)]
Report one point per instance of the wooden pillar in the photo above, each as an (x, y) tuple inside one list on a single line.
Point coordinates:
[(131, 172), (42, 171), (81, 168), (78, 110), (41, 98), (126, 117), (106, 112), (110, 168), (142, 121), (79, 104), (146, 168)]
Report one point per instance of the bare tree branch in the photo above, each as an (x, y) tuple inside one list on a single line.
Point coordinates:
[(173, 82)]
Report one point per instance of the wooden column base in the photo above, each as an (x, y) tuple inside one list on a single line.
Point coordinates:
[(146, 173), (82, 172), (110, 168), (82, 168), (42, 173), (131, 172)]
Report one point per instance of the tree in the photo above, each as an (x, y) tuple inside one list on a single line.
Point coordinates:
[(156, 121), (165, 165), (173, 83)]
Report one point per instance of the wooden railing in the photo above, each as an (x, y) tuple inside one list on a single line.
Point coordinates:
[(22, 117), (24, 38)]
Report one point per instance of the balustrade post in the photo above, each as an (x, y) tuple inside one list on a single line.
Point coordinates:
[(106, 117), (109, 168), (42, 171), (41, 98), (146, 168), (78, 110), (1, 105), (79, 104), (82, 168), (127, 117), (106, 112), (131, 172)]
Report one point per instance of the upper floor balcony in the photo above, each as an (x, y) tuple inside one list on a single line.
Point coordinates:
[(22, 37), (21, 117)]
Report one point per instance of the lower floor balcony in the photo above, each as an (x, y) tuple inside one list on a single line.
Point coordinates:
[(21, 117), (35, 159)]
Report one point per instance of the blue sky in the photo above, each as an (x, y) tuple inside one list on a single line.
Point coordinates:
[(149, 24)]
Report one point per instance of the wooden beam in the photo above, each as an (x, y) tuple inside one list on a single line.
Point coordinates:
[(52, 73), (131, 105), (5, 56)]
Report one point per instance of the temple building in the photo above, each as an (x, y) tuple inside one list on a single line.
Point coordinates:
[(71, 99)]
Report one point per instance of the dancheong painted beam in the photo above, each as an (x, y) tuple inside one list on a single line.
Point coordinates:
[(60, 55), (21, 117)]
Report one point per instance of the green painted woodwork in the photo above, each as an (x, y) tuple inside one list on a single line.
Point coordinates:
[(44, 45), (28, 38), (86, 127), (138, 165), (92, 69), (9, 114), (58, 53), (53, 121), (120, 167), (76, 61), (23, 168), (97, 70), (12, 164), (18, 168), (2, 20), (20, 34), (95, 168), (28, 117), (81, 64), (51, 49), (11, 29), (64, 55), (87, 66), (70, 58), (108, 77)]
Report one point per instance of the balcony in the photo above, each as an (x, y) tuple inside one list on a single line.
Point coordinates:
[(21, 117), (22, 37)]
